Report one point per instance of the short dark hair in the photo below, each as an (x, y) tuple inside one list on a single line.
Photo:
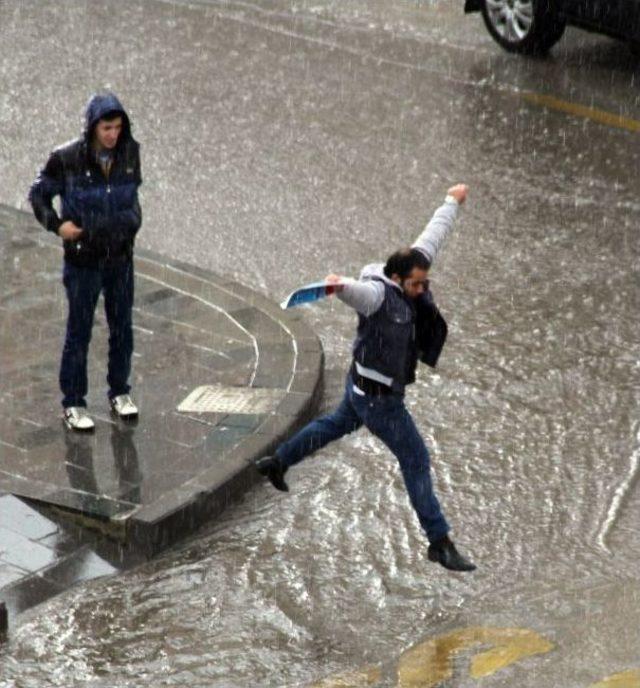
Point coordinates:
[(402, 262)]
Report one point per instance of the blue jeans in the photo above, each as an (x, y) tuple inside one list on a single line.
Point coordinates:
[(83, 287), (388, 419)]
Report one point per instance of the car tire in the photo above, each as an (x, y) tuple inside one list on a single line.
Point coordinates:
[(523, 26)]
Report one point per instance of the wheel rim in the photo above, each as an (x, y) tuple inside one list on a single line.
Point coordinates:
[(512, 19)]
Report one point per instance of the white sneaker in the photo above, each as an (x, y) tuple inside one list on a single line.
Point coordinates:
[(76, 418), (123, 406)]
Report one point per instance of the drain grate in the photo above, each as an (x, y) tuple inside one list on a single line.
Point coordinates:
[(218, 399)]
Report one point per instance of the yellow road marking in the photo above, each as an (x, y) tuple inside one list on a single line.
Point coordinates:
[(600, 116), (431, 662), (627, 679)]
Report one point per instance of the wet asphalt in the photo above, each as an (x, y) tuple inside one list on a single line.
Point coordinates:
[(281, 141)]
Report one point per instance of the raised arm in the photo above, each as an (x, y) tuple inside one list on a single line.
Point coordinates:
[(364, 296), (441, 224)]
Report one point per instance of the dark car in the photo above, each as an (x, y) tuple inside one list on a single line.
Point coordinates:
[(533, 26)]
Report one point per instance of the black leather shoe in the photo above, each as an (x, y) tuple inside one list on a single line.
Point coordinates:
[(272, 468), (444, 552)]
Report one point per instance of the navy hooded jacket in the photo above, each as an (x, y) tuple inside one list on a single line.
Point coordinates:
[(105, 207)]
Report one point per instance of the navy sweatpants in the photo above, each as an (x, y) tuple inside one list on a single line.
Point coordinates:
[(83, 287)]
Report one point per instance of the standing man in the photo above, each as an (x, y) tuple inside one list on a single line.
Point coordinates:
[(398, 323), (97, 178)]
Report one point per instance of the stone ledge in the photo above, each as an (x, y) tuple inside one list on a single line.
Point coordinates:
[(153, 483)]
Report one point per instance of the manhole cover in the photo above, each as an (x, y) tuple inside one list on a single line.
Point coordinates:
[(218, 399)]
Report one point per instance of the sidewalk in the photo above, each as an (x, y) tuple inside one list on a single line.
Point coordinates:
[(221, 375)]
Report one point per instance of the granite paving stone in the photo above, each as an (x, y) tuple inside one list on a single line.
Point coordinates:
[(260, 323), (138, 486), (246, 421), (221, 440), (209, 419), (305, 381), (84, 565), (10, 574), (18, 550), (294, 404), (15, 515), (97, 505), (277, 379), (25, 487), (276, 427)]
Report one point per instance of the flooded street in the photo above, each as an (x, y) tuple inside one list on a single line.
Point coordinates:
[(283, 140)]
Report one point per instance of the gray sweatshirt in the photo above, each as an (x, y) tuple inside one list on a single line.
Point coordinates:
[(366, 295)]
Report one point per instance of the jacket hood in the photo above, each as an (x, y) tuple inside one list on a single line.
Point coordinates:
[(376, 271), (98, 106)]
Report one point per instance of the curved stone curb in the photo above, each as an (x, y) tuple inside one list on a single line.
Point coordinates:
[(288, 360)]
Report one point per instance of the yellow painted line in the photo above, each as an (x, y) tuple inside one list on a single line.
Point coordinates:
[(430, 663), (609, 119), (627, 679)]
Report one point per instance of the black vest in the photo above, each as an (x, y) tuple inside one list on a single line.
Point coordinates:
[(391, 340)]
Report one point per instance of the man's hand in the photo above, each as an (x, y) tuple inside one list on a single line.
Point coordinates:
[(459, 192), (334, 279), (68, 231)]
